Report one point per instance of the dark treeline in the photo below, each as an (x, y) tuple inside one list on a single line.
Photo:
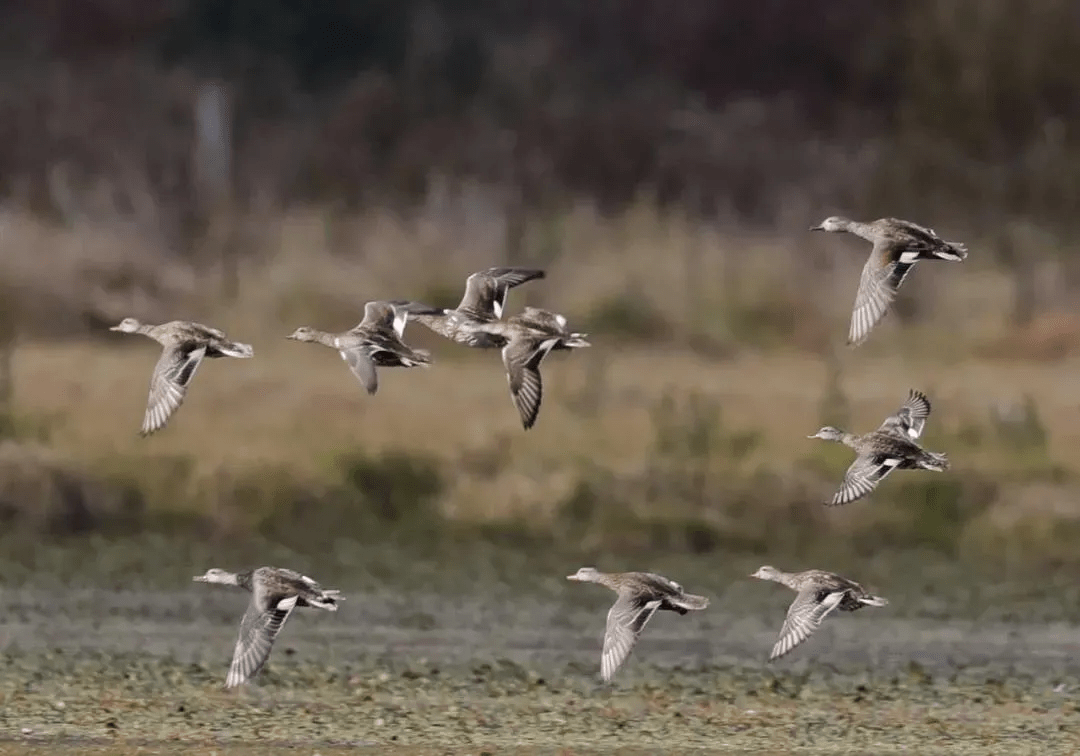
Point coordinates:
[(718, 104)]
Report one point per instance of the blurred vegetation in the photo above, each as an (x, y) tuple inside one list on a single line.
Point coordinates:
[(725, 107), (704, 485), (661, 160)]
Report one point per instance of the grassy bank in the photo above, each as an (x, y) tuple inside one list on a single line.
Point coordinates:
[(634, 450)]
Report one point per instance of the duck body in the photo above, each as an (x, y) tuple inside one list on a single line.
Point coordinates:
[(376, 341), (524, 339), (275, 593), (818, 593), (640, 596), (530, 337), (897, 246), (891, 447), (481, 306), (184, 345)]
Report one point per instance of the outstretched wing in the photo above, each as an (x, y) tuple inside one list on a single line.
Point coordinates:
[(486, 291), (391, 316), (358, 358), (863, 476), (910, 419), (169, 382), (522, 358), (379, 315), (625, 621), (258, 630), (804, 617), (881, 278)]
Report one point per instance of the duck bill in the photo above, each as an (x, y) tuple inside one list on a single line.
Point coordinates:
[(816, 228), (573, 577), (199, 579)]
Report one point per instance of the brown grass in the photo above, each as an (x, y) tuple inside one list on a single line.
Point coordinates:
[(742, 325)]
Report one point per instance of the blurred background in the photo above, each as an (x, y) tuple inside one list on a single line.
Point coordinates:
[(260, 165)]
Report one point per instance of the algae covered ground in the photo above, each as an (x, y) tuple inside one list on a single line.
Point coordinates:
[(445, 659)]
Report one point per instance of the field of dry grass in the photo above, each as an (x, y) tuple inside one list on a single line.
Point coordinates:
[(715, 353)]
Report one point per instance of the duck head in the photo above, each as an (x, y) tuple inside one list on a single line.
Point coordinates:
[(765, 572), (829, 433), (833, 223), (585, 575), (127, 325), (214, 575), (303, 333)]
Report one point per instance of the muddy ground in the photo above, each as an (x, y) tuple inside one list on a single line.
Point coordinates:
[(112, 663)]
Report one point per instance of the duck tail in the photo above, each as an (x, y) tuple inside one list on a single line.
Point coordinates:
[(873, 600), (952, 251), (418, 358), (327, 600), (934, 461), (575, 341), (236, 349), (690, 602)]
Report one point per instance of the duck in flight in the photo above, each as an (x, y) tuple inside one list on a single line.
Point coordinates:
[(893, 446), (817, 593), (275, 592), (640, 596), (184, 345), (897, 246), (376, 341), (524, 339)]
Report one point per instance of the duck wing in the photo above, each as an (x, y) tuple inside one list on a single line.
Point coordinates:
[(625, 621), (169, 383), (486, 291), (522, 358), (379, 316), (359, 360), (881, 278), (910, 419), (804, 616), (258, 630), (863, 476)]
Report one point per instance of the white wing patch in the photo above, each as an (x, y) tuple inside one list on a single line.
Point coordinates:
[(287, 604)]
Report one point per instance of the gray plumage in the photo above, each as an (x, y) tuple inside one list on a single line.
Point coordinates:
[(897, 246), (184, 345), (525, 339), (640, 596), (817, 594), (531, 336), (482, 304), (376, 341), (275, 592), (891, 447)]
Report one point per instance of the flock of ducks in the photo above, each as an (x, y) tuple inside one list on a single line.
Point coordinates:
[(377, 341), (275, 592), (525, 340)]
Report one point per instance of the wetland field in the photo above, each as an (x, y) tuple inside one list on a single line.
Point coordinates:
[(489, 651), (451, 532)]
